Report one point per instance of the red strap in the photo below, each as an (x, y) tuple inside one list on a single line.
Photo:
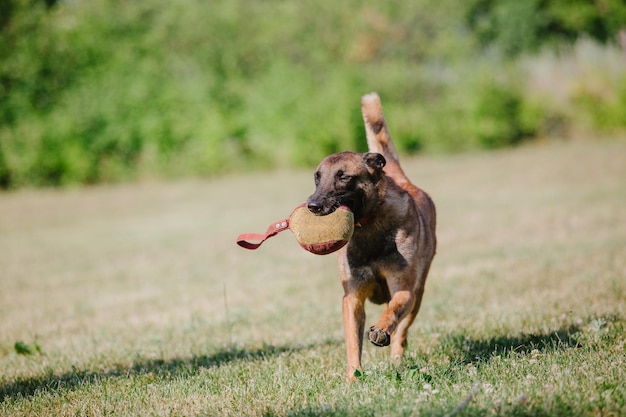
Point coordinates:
[(275, 228)]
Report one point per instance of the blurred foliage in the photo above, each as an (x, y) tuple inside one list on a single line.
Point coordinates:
[(107, 90), (515, 26)]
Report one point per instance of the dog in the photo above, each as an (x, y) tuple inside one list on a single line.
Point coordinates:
[(389, 255)]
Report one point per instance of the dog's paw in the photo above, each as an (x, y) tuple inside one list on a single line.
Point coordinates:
[(379, 337)]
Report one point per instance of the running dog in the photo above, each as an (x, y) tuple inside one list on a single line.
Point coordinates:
[(390, 253)]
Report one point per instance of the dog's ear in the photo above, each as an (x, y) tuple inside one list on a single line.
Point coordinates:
[(374, 160)]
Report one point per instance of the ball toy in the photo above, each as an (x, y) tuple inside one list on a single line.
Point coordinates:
[(320, 235)]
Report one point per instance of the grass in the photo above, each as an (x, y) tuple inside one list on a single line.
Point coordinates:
[(134, 299)]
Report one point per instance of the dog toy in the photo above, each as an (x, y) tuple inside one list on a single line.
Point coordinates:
[(320, 235)]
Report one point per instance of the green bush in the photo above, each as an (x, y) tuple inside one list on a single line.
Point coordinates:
[(605, 104), (106, 91), (515, 27), (581, 90), (498, 116)]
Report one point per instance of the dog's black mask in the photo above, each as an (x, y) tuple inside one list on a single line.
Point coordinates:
[(349, 179)]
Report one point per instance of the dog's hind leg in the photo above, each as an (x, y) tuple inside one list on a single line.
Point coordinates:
[(399, 336)]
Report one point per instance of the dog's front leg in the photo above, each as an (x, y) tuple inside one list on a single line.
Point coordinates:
[(353, 309), (400, 304), (353, 326)]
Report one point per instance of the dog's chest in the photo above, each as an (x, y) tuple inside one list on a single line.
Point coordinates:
[(379, 240), (368, 256), (365, 249)]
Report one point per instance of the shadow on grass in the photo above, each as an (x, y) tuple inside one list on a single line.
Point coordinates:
[(52, 382), (460, 347), (467, 349)]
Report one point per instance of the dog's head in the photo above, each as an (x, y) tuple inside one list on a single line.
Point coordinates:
[(350, 179)]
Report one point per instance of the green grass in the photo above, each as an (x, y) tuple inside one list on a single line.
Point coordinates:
[(134, 299)]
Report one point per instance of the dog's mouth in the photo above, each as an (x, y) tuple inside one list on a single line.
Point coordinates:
[(318, 207), (324, 207)]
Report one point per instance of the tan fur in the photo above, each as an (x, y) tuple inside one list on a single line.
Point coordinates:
[(390, 253)]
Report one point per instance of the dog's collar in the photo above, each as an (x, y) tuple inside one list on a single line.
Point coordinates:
[(362, 221)]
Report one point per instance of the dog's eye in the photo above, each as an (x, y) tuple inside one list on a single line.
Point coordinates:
[(344, 177), (317, 177)]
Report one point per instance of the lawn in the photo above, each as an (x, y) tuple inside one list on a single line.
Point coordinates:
[(134, 299)]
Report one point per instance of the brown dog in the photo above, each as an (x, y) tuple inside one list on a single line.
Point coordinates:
[(388, 258)]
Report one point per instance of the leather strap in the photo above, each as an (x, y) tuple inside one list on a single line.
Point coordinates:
[(275, 228)]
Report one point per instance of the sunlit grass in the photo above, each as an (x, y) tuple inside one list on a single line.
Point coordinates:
[(141, 304)]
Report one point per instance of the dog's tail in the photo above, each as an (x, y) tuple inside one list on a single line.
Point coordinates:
[(378, 138)]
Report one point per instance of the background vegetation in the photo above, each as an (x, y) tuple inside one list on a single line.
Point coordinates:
[(108, 90)]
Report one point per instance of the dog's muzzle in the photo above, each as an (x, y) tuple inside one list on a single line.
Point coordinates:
[(314, 207)]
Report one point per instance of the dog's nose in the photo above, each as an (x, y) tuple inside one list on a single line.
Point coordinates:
[(314, 206)]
